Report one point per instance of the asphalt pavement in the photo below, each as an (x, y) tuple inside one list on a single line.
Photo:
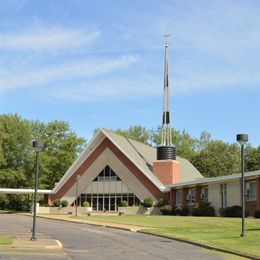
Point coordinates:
[(83, 241)]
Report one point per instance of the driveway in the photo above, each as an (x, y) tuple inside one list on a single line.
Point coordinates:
[(82, 241)]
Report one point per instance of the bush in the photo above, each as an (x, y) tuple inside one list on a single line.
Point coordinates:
[(18, 202), (179, 211), (123, 203), (85, 204), (64, 203), (257, 214), (203, 209), (3, 201), (162, 202), (232, 212), (57, 203), (148, 202), (166, 210)]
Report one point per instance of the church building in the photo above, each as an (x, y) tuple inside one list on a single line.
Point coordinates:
[(113, 168)]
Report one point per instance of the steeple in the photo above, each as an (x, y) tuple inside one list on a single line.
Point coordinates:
[(166, 151)]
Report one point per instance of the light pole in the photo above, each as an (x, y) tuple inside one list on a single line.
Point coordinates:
[(38, 146), (77, 194), (242, 139)]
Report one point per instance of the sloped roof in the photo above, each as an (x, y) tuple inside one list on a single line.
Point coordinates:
[(237, 176), (140, 154), (144, 155)]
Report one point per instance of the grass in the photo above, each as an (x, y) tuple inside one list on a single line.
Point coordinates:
[(5, 240), (223, 233)]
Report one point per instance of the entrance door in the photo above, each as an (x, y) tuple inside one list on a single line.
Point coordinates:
[(106, 203), (100, 203), (112, 203)]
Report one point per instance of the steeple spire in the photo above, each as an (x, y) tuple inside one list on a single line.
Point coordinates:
[(166, 128), (166, 151)]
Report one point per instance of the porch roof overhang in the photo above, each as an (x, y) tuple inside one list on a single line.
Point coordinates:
[(23, 191)]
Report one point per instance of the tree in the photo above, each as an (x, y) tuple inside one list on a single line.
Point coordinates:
[(135, 132), (252, 158), (184, 143), (218, 159), (17, 160), (62, 148)]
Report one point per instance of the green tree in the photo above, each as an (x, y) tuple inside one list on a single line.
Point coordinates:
[(135, 132), (217, 159), (62, 148), (184, 143), (17, 160), (252, 158)]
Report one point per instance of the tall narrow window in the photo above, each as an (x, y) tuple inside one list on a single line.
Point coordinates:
[(204, 194), (178, 197), (223, 195), (190, 196), (250, 190)]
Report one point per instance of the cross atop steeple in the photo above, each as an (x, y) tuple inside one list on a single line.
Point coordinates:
[(166, 35)]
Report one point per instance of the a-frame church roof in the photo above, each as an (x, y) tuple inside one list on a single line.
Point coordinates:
[(141, 155)]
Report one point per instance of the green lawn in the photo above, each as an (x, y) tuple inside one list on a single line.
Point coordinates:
[(220, 232), (5, 240)]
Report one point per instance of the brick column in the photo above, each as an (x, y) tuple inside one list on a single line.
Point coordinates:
[(258, 193), (173, 198)]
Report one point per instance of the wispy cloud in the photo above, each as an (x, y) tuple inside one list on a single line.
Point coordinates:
[(49, 38), (72, 70), (100, 90)]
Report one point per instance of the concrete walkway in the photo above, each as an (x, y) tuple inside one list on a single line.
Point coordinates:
[(90, 222), (22, 244)]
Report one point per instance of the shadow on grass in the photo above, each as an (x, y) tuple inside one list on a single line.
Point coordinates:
[(253, 229)]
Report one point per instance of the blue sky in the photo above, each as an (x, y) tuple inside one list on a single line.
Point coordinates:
[(100, 64)]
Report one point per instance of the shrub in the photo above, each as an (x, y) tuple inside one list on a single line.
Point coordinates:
[(184, 212), (162, 203), (232, 212), (257, 214), (148, 202), (203, 209), (85, 204), (123, 203), (166, 210), (179, 211), (3, 201), (64, 203), (57, 203)]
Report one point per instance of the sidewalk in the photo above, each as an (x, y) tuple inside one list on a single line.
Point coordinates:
[(22, 236), (89, 222)]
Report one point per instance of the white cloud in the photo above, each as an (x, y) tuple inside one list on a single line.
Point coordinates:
[(34, 77), (99, 90), (46, 39)]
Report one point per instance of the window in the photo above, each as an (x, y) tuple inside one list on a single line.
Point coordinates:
[(223, 195), (250, 190), (107, 174), (204, 194), (191, 196), (178, 197)]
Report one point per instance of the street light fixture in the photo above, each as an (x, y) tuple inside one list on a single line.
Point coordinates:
[(77, 191), (38, 146), (242, 139)]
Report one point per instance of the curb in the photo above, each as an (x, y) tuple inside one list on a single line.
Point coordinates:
[(59, 246), (202, 245), (91, 223)]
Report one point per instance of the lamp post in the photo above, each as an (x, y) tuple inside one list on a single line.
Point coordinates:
[(38, 146), (77, 194), (242, 139)]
